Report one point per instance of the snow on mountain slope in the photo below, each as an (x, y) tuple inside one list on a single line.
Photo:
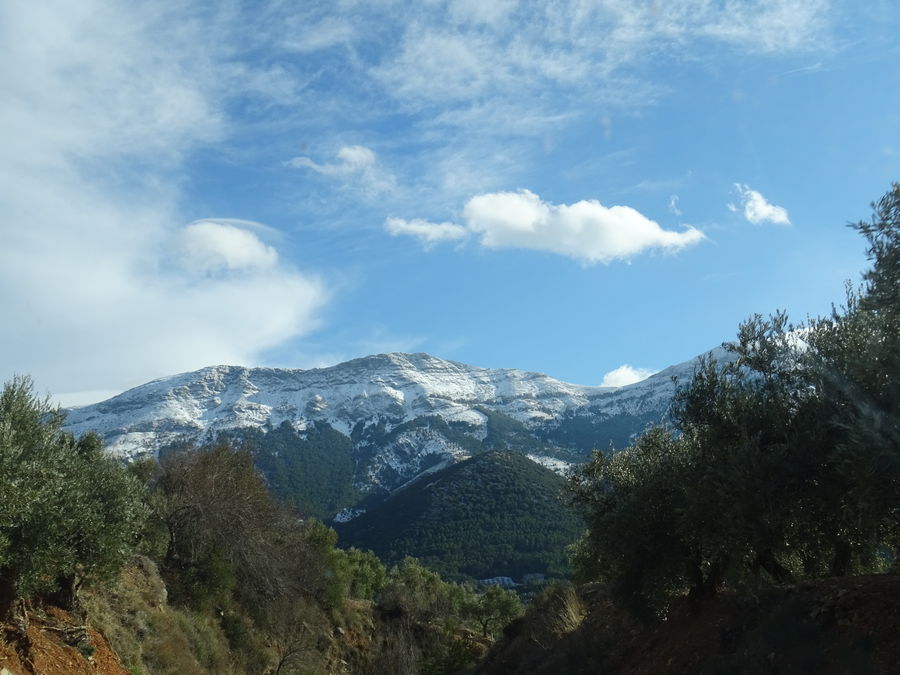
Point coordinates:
[(387, 389), (396, 387)]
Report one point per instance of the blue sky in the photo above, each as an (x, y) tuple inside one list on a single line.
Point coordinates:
[(569, 187)]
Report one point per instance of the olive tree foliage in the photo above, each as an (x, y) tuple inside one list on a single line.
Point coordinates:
[(857, 371), (782, 462), (69, 513), (631, 501), (493, 608)]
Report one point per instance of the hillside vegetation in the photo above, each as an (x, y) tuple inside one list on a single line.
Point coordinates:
[(498, 513), (312, 471)]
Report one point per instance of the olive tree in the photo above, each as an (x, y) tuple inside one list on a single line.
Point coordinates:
[(70, 512), (494, 608)]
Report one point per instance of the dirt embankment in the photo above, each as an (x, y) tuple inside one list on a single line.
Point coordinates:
[(823, 627), (54, 643)]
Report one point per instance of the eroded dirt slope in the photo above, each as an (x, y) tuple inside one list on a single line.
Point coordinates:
[(54, 643)]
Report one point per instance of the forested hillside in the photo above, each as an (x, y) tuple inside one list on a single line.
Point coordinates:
[(496, 514), (313, 471)]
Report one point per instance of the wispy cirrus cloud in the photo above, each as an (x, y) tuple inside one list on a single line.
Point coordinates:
[(351, 159), (426, 232), (479, 79), (586, 230), (455, 54), (673, 205)]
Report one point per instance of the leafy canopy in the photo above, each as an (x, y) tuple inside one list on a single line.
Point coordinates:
[(70, 513)]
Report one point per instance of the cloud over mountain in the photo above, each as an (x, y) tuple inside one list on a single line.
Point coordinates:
[(625, 375)]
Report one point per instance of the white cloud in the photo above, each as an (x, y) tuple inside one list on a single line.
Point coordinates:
[(208, 247), (624, 375), (356, 157), (767, 26), (479, 12), (758, 210), (356, 162), (426, 232), (101, 285), (303, 37), (585, 230)]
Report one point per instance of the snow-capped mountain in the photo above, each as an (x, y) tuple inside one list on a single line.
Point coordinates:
[(390, 405)]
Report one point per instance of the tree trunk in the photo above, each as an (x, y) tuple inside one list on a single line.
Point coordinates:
[(7, 593), (65, 594), (170, 547), (716, 577), (695, 577), (840, 563), (767, 561)]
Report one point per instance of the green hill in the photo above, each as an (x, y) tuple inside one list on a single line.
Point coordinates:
[(497, 513)]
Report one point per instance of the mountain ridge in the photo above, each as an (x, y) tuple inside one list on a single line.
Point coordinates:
[(404, 413)]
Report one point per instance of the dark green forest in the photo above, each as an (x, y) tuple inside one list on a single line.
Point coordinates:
[(313, 470), (498, 513)]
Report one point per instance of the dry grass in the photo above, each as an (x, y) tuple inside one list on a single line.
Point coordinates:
[(558, 611), (150, 636)]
